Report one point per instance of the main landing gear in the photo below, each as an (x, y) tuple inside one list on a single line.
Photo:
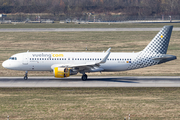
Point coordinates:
[(26, 75), (84, 77)]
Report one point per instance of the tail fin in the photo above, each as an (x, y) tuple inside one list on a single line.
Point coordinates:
[(160, 42)]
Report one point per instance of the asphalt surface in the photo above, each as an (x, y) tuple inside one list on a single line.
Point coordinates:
[(96, 81), (79, 29)]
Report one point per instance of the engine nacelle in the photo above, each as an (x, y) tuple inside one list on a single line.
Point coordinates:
[(63, 72)]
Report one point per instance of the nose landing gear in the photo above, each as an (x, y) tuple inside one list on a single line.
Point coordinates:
[(26, 75)]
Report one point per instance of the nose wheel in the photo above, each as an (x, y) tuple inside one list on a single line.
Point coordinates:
[(84, 77), (26, 75)]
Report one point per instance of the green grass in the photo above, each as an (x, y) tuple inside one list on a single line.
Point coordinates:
[(90, 103), (90, 25), (120, 41)]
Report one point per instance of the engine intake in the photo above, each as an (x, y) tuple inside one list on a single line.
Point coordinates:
[(63, 72)]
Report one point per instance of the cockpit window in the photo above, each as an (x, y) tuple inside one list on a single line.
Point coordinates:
[(13, 58)]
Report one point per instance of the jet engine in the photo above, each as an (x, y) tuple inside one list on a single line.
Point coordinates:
[(63, 72)]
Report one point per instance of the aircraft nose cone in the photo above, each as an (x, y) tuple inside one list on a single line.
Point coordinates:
[(4, 64)]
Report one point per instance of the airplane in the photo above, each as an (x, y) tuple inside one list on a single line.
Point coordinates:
[(65, 64)]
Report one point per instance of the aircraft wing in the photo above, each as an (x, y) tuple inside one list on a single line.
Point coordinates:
[(87, 67)]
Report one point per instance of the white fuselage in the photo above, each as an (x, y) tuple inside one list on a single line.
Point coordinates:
[(42, 61)]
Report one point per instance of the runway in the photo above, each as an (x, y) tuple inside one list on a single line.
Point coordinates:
[(79, 29), (95, 81)]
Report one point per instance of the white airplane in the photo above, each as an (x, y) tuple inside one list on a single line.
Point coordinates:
[(64, 64)]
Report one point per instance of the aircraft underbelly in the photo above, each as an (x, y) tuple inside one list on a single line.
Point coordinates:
[(115, 67)]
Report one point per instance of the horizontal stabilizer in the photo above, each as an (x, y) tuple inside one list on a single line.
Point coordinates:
[(164, 57)]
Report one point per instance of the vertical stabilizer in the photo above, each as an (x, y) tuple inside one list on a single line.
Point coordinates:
[(155, 51), (160, 42)]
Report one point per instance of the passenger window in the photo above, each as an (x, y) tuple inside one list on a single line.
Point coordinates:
[(68, 58), (47, 58), (72, 58), (42, 58), (112, 59), (57, 58), (37, 58), (117, 59), (32, 58), (29, 58), (64, 58), (98, 59)]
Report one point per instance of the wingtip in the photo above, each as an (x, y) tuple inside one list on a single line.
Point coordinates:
[(108, 50)]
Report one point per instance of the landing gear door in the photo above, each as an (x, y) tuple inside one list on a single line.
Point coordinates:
[(25, 59)]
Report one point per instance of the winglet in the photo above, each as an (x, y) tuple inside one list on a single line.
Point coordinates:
[(105, 58), (108, 50)]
